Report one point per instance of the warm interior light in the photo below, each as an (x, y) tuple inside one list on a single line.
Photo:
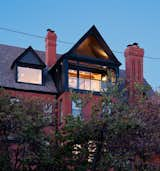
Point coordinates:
[(72, 78), (72, 73), (102, 53), (29, 75), (96, 76), (104, 77)]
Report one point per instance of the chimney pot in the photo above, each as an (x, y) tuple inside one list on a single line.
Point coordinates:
[(129, 45), (135, 44), (49, 30)]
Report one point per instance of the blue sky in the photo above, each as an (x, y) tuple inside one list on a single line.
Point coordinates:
[(120, 22)]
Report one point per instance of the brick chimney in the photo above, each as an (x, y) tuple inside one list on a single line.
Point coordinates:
[(50, 39), (134, 68)]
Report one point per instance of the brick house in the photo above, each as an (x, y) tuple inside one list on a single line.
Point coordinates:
[(29, 73)]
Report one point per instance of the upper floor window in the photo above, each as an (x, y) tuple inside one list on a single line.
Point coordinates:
[(72, 82), (89, 81), (29, 75)]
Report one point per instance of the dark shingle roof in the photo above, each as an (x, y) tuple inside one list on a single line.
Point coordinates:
[(8, 55), (8, 78)]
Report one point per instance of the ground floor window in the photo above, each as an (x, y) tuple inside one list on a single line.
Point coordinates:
[(76, 108), (48, 111)]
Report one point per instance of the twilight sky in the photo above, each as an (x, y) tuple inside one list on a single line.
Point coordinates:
[(120, 22)]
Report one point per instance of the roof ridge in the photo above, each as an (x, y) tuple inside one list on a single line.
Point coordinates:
[(37, 50), (21, 47)]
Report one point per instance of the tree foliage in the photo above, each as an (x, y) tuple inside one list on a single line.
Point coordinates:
[(118, 135), (23, 143)]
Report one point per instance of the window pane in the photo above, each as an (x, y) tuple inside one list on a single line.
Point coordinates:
[(95, 85), (87, 84), (81, 83), (84, 84), (84, 80), (76, 109), (72, 78), (29, 75), (72, 82)]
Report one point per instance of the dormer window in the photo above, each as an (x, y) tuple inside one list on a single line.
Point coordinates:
[(29, 75), (29, 67)]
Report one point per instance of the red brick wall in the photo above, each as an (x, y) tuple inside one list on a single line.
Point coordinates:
[(66, 107), (48, 98), (67, 104)]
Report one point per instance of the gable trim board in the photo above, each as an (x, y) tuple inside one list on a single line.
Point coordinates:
[(22, 57)]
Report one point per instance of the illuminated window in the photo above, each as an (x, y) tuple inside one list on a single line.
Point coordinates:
[(84, 80), (95, 82), (29, 75)]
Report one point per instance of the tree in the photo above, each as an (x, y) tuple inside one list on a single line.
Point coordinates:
[(118, 135), (23, 143)]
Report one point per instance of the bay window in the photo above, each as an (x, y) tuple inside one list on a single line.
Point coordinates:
[(90, 81)]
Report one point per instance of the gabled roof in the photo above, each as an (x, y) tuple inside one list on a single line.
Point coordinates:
[(92, 44), (8, 54), (29, 56)]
